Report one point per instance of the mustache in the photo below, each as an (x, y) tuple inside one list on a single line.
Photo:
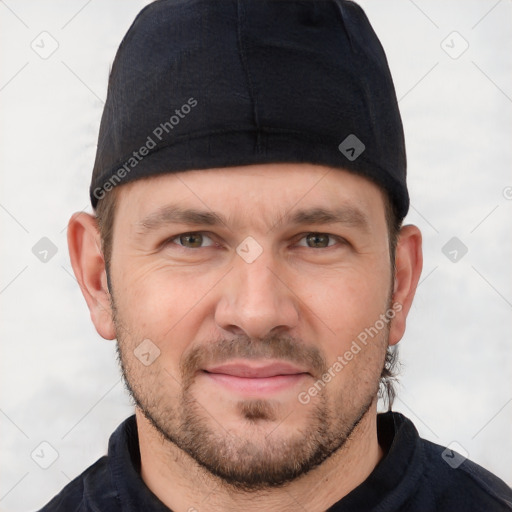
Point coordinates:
[(281, 347)]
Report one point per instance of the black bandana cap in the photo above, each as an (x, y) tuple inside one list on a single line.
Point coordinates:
[(200, 84)]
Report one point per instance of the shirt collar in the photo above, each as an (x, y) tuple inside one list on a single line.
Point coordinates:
[(397, 475), (124, 462)]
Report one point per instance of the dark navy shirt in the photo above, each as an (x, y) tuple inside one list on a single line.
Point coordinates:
[(414, 476)]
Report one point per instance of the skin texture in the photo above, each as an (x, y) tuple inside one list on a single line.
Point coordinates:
[(302, 300)]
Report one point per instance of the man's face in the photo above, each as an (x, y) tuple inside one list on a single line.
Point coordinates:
[(248, 328)]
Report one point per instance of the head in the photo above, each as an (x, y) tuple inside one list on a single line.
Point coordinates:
[(317, 290), (250, 258)]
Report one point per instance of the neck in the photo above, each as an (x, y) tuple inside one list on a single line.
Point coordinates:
[(183, 485)]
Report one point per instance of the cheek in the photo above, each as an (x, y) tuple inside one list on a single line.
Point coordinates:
[(345, 302), (352, 334), (164, 305)]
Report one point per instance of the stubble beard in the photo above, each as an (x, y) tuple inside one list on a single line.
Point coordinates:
[(255, 460)]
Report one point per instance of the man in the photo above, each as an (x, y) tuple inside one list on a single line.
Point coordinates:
[(247, 254)]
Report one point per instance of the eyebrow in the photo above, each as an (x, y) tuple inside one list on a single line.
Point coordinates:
[(347, 215), (176, 215)]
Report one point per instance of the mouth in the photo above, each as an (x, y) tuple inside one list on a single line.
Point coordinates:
[(256, 377)]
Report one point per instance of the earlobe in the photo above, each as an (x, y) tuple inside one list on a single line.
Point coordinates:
[(409, 263), (88, 264)]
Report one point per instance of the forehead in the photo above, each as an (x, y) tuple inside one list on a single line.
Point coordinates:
[(260, 194)]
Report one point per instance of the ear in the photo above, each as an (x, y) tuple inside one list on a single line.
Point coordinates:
[(409, 262), (84, 242)]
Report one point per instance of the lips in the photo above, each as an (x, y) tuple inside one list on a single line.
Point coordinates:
[(256, 378), (255, 370)]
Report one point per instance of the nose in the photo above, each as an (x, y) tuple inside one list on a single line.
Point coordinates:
[(256, 300)]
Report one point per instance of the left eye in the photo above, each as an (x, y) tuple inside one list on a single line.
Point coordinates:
[(317, 240), (193, 240)]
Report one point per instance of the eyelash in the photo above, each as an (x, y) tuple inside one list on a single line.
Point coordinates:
[(172, 240)]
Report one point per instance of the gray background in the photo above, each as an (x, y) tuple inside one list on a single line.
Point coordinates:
[(59, 380)]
